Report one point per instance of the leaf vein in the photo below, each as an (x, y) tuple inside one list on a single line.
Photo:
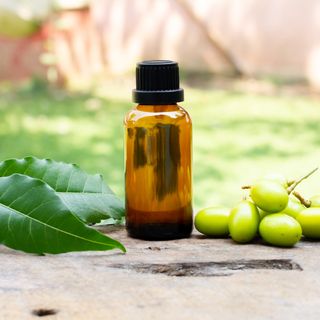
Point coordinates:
[(4, 173), (69, 180)]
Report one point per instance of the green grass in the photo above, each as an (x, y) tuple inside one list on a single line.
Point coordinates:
[(237, 136)]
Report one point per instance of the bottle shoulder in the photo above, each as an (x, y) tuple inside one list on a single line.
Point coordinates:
[(156, 114)]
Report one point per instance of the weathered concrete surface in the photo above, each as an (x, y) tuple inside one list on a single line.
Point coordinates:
[(111, 285)]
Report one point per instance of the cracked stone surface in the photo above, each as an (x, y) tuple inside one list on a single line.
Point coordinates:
[(195, 278)]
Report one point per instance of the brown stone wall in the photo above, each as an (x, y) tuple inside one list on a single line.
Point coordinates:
[(20, 58)]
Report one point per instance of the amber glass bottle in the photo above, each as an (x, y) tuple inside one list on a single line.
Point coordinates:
[(158, 156)]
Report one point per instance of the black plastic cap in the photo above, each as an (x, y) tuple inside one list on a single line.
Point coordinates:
[(157, 82)]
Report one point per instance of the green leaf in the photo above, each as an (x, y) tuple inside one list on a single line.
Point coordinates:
[(85, 195), (34, 219)]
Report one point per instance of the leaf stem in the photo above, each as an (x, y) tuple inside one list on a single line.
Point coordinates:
[(293, 185)]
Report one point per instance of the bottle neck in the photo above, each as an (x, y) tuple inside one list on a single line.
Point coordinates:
[(157, 107)]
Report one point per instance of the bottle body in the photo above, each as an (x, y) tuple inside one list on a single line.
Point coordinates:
[(158, 176)]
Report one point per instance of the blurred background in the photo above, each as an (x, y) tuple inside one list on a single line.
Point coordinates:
[(250, 69)]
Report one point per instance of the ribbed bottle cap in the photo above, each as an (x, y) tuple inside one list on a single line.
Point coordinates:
[(157, 82)]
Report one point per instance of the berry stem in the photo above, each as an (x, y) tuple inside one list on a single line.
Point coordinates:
[(305, 202), (290, 182), (293, 185)]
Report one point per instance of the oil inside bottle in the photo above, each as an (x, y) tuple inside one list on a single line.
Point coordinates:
[(158, 172)]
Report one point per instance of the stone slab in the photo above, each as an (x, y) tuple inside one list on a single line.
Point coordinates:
[(194, 278)]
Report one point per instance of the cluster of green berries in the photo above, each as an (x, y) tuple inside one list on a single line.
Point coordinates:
[(273, 209)]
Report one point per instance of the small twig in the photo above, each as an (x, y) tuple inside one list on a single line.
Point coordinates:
[(292, 187), (305, 202), (290, 182), (246, 187)]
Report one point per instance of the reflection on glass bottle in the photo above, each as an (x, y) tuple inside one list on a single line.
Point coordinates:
[(160, 149)]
